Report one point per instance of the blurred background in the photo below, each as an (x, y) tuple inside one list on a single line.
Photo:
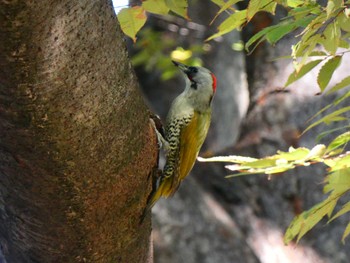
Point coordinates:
[(211, 218)]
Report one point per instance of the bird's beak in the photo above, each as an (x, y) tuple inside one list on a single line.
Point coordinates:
[(183, 67)]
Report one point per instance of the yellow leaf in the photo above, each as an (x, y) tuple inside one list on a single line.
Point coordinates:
[(232, 22), (255, 6), (178, 7), (156, 6), (132, 20), (346, 233)]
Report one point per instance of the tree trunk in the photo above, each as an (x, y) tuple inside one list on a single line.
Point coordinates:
[(76, 147)]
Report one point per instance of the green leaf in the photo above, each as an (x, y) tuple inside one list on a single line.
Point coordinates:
[(307, 220), (279, 168), (132, 20), (230, 158), (277, 33), (260, 35), (342, 211), (304, 69), (303, 49), (331, 38), (262, 163), (333, 5), (300, 12), (342, 84), (326, 72), (295, 3), (155, 6), (346, 233), (325, 133), (293, 154), (344, 22), (224, 7), (332, 117), (232, 22), (219, 2), (255, 6), (178, 7), (316, 152), (339, 141), (342, 98), (338, 182), (342, 165)]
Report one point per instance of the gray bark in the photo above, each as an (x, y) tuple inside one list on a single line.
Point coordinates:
[(76, 146)]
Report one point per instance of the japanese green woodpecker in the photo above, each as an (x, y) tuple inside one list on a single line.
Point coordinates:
[(186, 127)]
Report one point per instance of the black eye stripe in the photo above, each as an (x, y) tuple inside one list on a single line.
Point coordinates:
[(193, 69)]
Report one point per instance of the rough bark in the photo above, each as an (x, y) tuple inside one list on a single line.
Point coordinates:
[(76, 147)]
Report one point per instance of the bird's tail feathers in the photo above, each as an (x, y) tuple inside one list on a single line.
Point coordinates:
[(164, 188)]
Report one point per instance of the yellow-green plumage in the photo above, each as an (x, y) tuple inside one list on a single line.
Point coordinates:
[(187, 126), (181, 159)]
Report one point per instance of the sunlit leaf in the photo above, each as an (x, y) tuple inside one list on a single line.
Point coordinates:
[(295, 3), (302, 223), (326, 72), (333, 5), (277, 33), (346, 233), (342, 164), (279, 168), (303, 49), (339, 141), (302, 11), (314, 215), (332, 117), (338, 181), (313, 26), (224, 7), (327, 132), (331, 38), (342, 98), (344, 22), (232, 22), (342, 84), (342, 211), (260, 35), (156, 6), (219, 2), (305, 69), (293, 154), (237, 175), (131, 20), (230, 158), (178, 7), (316, 152), (255, 6)]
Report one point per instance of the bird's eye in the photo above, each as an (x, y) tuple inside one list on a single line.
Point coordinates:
[(193, 69)]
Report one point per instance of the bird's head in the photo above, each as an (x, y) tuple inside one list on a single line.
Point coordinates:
[(199, 78)]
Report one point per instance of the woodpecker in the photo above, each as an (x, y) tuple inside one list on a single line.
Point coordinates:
[(186, 127)]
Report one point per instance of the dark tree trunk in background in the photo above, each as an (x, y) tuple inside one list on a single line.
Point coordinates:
[(76, 146)]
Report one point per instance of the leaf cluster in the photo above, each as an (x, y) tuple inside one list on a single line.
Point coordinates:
[(132, 19), (337, 182)]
